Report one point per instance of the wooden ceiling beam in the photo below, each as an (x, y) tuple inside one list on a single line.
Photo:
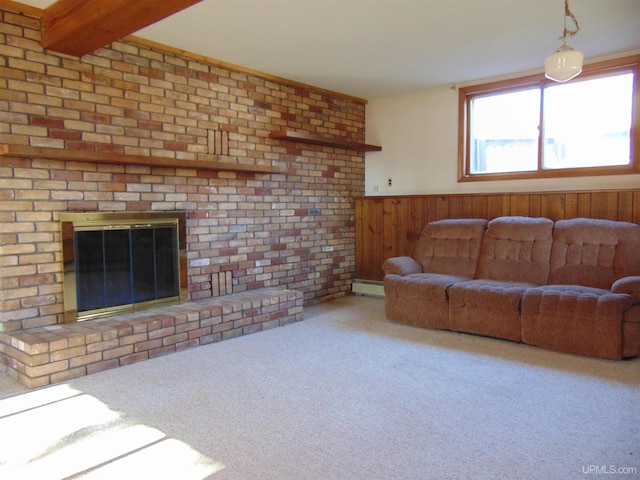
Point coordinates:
[(78, 27)]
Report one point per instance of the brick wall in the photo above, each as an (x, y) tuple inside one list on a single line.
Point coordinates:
[(133, 99)]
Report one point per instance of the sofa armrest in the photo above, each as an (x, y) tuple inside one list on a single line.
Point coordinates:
[(401, 266), (629, 285)]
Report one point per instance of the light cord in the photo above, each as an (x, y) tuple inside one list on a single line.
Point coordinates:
[(569, 32)]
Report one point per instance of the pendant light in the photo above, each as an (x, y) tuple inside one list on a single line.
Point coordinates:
[(566, 63)]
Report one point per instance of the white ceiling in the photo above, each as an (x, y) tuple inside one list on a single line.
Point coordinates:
[(374, 48)]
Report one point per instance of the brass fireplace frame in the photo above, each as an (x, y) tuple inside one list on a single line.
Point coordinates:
[(95, 221)]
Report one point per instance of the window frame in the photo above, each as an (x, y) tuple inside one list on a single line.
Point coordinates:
[(594, 70)]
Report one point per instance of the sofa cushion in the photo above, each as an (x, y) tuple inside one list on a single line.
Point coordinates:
[(451, 247), (419, 299), (593, 252), (575, 319), (487, 307), (576, 300), (516, 249), (428, 286)]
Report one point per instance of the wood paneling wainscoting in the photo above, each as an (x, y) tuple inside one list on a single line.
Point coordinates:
[(390, 226)]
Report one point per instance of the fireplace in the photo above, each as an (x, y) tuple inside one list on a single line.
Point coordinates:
[(117, 262)]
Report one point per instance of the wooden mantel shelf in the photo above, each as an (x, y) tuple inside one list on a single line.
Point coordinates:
[(314, 139), (211, 162)]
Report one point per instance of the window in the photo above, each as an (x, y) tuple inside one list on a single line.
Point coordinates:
[(532, 127)]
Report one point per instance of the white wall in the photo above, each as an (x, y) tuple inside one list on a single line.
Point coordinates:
[(418, 133)]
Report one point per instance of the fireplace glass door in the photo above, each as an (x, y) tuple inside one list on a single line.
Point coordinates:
[(124, 265)]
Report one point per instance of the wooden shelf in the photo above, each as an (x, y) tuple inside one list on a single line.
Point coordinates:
[(210, 162), (314, 139)]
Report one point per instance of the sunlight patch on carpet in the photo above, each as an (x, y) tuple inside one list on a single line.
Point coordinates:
[(60, 432)]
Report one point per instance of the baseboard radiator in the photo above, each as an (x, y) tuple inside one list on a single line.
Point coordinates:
[(368, 287)]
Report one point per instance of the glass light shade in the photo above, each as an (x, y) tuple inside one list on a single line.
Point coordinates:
[(563, 65)]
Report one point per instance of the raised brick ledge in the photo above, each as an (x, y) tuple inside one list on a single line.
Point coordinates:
[(46, 355)]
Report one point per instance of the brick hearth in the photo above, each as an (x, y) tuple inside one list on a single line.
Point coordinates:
[(44, 355)]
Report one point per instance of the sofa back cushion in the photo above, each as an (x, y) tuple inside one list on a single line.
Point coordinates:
[(451, 247), (594, 253), (517, 249)]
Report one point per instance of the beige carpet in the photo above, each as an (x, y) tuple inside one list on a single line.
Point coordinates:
[(342, 395)]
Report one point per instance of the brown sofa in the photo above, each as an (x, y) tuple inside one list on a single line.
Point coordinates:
[(571, 285)]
